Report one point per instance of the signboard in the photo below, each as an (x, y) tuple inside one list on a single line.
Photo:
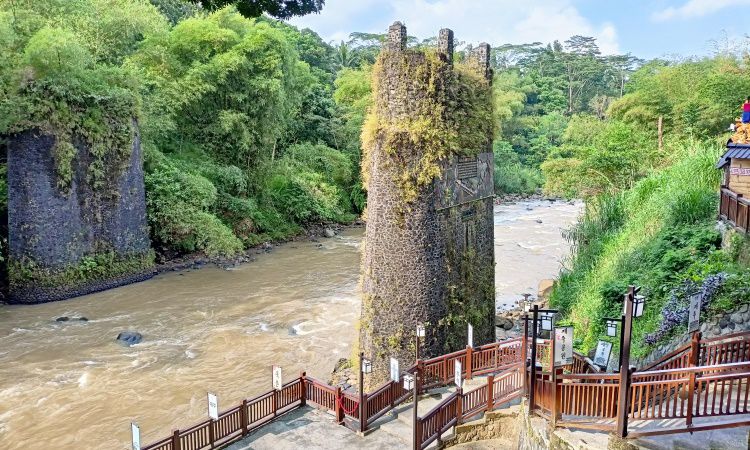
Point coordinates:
[(395, 374), (458, 375), (213, 406), (276, 375), (470, 338), (135, 433), (694, 319), (603, 351), (563, 346), (740, 171)]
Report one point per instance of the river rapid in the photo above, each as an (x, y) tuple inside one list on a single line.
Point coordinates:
[(66, 385)]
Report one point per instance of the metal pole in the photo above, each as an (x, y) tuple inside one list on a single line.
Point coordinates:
[(622, 401), (416, 349), (622, 341), (524, 352), (415, 417), (534, 316), (362, 417)]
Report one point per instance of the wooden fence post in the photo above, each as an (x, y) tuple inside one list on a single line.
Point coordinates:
[(490, 393), (274, 403), (469, 351), (339, 411), (176, 440), (695, 349), (303, 386), (556, 395), (244, 420), (459, 405), (737, 211), (363, 413), (212, 433)]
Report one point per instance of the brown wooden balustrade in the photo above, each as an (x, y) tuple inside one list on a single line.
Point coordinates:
[(705, 378), (735, 209)]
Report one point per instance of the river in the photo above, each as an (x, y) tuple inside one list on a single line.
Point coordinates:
[(66, 385)]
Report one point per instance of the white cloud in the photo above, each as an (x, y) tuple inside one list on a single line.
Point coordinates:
[(493, 21), (697, 8)]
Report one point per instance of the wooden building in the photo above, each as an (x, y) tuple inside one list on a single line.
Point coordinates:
[(735, 186)]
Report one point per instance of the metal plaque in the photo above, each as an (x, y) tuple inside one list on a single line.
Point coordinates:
[(603, 352), (467, 167), (563, 346), (213, 406), (276, 381), (395, 374), (694, 319), (135, 433)]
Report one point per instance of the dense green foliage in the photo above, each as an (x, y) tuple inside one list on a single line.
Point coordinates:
[(650, 217), (243, 139)]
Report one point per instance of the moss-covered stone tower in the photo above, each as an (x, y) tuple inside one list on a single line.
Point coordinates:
[(428, 164)]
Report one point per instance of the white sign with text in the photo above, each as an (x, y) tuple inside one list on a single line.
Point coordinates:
[(458, 375), (395, 374), (213, 406), (135, 433), (276, 375), (603, 351), (563, 346)]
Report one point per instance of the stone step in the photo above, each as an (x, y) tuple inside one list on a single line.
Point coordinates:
[(490, 444)]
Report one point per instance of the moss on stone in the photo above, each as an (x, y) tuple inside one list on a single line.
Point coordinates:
[(91, 268), (450, 114)]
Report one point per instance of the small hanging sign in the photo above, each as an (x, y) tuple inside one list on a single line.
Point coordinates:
[(395, 374), (276, 378), (135, 433), (694, 319), (603, 352), (563, 346), (213, 406)]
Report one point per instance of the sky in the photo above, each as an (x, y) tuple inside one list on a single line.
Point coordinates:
[(647, 29)]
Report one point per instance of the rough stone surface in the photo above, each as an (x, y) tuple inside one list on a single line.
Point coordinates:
[(129, 338), (414, 262), (54, 229)]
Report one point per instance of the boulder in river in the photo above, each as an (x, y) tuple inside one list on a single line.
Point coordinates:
[(68, 319), (129, 338), (329, 233)]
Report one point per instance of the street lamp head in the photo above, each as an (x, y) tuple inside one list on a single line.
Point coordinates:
[(612, 327), (420, 330), (366, 366), (408, 382), (546, 322), (638, 303)]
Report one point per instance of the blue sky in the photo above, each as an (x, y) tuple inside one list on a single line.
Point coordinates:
[(646, 29)]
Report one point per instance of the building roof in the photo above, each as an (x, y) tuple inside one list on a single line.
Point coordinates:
[(737, 151)]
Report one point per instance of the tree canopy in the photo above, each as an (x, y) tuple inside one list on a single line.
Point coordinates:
[(281, 9)]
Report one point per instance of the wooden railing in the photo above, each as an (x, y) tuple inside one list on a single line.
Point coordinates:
[(735, 209), (237, 422), (704, 378), (499, 389)]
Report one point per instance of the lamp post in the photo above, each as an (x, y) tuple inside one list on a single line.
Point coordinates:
[(634, 305), (365, 367), (411, 383)]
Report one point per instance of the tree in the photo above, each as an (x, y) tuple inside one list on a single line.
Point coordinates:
[(281, 9), (344, 57)]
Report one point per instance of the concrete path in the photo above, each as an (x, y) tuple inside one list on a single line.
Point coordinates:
[(310, 428)]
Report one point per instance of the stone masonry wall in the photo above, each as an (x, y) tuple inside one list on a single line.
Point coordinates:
[(51, 230), (415, 259)]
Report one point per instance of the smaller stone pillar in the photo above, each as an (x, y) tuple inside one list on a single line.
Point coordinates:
[(481, 56), (445, 43), (396, 37)]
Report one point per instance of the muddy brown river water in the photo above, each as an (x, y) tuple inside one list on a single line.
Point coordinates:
[(68, 385)]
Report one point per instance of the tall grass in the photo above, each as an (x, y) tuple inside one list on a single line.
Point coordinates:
[(612, 239)]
